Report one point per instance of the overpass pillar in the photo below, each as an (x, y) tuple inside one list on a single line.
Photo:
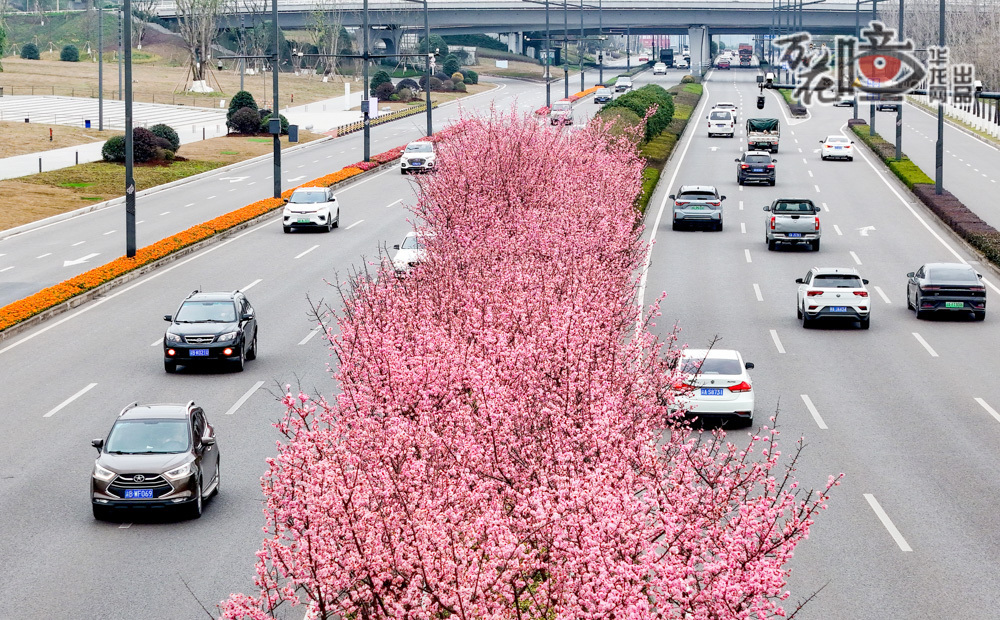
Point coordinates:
[(515, 42), (698, 46)]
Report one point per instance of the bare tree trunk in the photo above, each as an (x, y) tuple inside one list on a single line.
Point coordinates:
[(142, 12), (197, 20)]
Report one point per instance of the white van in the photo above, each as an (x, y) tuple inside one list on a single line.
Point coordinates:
[(721, 122), (561, 112)]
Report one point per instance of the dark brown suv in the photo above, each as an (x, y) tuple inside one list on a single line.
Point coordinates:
[(155, 457)]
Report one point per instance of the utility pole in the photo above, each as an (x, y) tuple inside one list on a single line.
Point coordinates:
[(120, 51), (600, 27), (275, 115), (579, 49), (939, 145), (899, 107), (129, 148), (566, 47), (366, 102), (100, 65)]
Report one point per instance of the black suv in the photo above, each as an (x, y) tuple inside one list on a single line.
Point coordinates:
[(755, 166), (155, 457), (211, 327)]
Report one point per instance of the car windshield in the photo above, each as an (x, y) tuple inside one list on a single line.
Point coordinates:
[(721, 116), (836, 139), (300, 197), (411, 243), (758, 159), (210, 311), (561, 106), (836, 280), (801, 207), (603, 91), (149, 437), (711, 366), (952, 274), (420, 147), (694, 195)]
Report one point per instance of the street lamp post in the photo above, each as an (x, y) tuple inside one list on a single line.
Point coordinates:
[(600, 28), (129, 150), (939, 145), (430, 55), (899, 108), (100, 65), (566, 48), (275, 115)]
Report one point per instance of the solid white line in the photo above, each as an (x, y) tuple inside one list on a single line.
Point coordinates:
[(110, 232), (743, 227), (817, 188), (244, 398), (756, 291), (887, 522), (741, 205), (158, 341), (747, 254), (77, 243), (855, 257), (251, 285), (923, 342), (307, 251), (44, 255), (69, 400), (878, 289), (837, 229), (777, 342), (353, 225), (989, 410), (812, 411), (309, 336)]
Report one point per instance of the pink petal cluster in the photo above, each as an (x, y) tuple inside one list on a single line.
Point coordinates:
[(501, 445)]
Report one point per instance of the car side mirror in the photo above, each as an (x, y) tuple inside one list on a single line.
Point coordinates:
[(980, 276), (246, 316), (767, 207), (822, 141), (749, 365), (737, 160), (852, 141), (168, 317), (672, 197), (97, 443), (774, 161), (909, 275), (863, 281), (798, 280), (395, 247), (722, 197), (208, 441)]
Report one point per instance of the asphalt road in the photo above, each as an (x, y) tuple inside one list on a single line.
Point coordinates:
[(894, 408)]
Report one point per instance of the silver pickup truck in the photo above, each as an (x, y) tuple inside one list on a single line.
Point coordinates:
[(792, 220)]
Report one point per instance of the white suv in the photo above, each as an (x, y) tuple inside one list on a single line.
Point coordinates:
[(721, 122), (311, 207), (417, 156), (409, 253), (833, 293)]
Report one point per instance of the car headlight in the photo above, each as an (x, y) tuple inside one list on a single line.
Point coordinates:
[(172, 337), (183, 471), (102, 474), (228, 336)]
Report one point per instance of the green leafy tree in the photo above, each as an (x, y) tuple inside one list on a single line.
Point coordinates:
[(167, 133), (69, 53), (245, 121), (3, 43), (380, 78), (30, 52), (451, 64), (240, 100), (114, 149), (437, 45), (715, 48)]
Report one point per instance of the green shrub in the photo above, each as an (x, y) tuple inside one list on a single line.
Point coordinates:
[(641, 100), (380, 77), (687, 79), (246, 121), (69, 53), (145, 145), (114, 149), (650, 176), (435, 84), (240, 100), (457, 77), (907, 172), (384, 91), (404, 94), (437, 44), (451, 64), (471, 77), (407, 83), (475, 40), (447, 86), (460, 87), (167, 133), (393, 97), (30, 52), (265, 126)]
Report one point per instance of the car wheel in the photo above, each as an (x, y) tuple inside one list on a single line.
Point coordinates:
[(981, 316), (170, 367), (329, 225), (850, 159), (718, 226), (815, 245), (102, 513), (336, 221), (798, 313), (287, 229), (196, 507), (770, 182), (866, 323), (241, 362), (676, 225), (402, 171), (739, 180), (252, 353), (744, 422), (806, 321), (771, 245)]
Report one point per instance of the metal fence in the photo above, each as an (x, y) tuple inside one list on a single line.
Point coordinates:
[(202, 101)]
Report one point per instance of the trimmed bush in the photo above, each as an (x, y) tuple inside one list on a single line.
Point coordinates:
[(435, 84), (642, 99), (447, 86), (405, 94), (380, 77), (114, 149), (240, 100), (457, 77), (471, 77), (451, 64), (460, 87), (407, 83), (619, 120), (30, 52), (245, 121), (167, 133), (265, 127), (384, 91), (687, 79), (442, 76), (145, 145), (69, 53)]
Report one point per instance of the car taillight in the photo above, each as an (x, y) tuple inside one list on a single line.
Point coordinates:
[(977, 288), (772, 222), (771, 166), (716, 203), (680, 386), (680, 203), (813, 293), (861, 293), (817, 223), (743, 386), (744, 166), (930, 288)]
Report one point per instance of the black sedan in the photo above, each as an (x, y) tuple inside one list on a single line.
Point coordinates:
[(946, 287), (755, 166)]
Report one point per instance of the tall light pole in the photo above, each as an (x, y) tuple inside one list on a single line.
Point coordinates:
[(365, 102), (129, 150), (427, 59), (566, 47), (100, 65), (548, 59), (275, 115), (121, 36), (899, 107), (579, 49), (600, 28), (939, 145)]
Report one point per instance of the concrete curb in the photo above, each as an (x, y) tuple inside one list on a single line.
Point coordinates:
[(103, 289), (17, 230)]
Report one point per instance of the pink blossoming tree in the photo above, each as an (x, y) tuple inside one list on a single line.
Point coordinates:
[(502, 444)]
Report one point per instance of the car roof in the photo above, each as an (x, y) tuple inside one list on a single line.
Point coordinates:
[(844, 271), (155, 410), (724, 103), (697, 188), (948, 266), (837, 135), (758, 153), (727, 354), (219, 296)]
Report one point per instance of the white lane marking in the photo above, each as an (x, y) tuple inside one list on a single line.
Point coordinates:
[(165, 213), (810, 173), (190, 204), (210, 198), (77, 243), (6, 269), (800, 149), (251, 183), (885, 298), (837, 229), (741, 188), (741, 205), (923, 342), (44, 255), (251, 285), (81, 260), (887, 522), (813, 412), (353, 225), (393, 203), (244, 398), (804, 161), (855, 257), (743, 227), (307, 251), (777, 342), (756, 291), (747, 254), (309, 336), (158, 341), (110, 232), (817, 188), (989, 410), (69, 400), (825, 208), (124, 526)]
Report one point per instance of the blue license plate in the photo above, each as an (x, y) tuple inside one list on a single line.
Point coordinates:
[(199, 352), (758, 170), (138, 493), (838, 308), (794, 234), (711, 391), (837, 148)]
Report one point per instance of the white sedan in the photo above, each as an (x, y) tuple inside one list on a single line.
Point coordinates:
[(716, 385), (836, 293), (837, 147)]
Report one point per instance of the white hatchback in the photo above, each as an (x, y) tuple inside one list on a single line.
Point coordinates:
[(721, 122), (311, 207), (716, 384), (836, 293)]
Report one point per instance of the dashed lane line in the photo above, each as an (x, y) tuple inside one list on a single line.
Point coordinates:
[(814, 412), (887, 522), (58, 407)]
